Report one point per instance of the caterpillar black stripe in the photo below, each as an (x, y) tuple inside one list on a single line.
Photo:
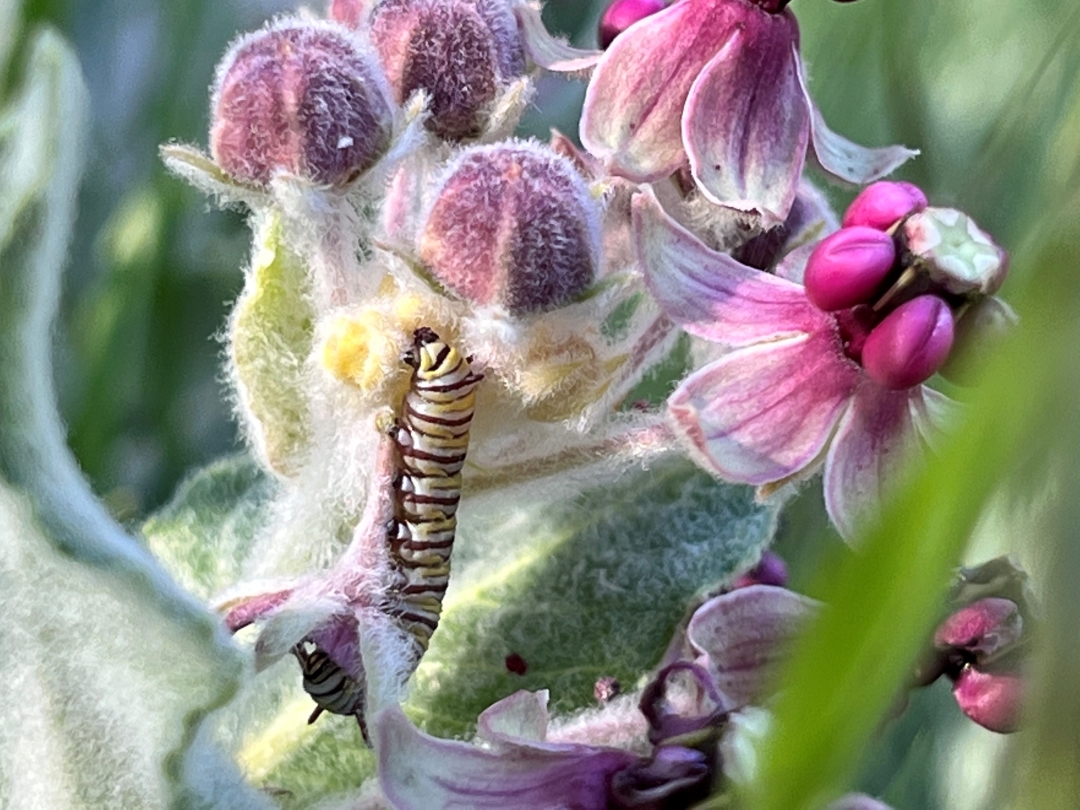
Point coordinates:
[(329, 685), (432, 437)]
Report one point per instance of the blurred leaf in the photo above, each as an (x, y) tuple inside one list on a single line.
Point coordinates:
[(114, 667)]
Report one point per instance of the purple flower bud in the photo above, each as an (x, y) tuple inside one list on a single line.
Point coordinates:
[(950, 249), (513, 224), (881, 205), (992, 699), (300, 98), (910, 344), (848, 267), (770, 570), (461, 52), (621, 14)]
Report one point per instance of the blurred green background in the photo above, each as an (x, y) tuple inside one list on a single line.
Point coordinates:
[(989, 90)]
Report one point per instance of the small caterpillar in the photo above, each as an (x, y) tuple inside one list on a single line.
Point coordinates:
[(432, 437), (330, 686)]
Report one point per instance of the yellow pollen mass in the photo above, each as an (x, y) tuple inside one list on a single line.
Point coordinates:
[(358, 350)]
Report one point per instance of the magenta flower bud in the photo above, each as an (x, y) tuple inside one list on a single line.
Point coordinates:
[(992, 699), (982, 629), (848, 267), (910, 344), (299, 98), (461, 52), (513, 224), (953, 252), (621, 14), (881, 205), (770, 570)]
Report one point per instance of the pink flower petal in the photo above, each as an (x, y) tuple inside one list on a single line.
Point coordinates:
[(746, 125), (634, 103), (547, 51), (764, 412), (419, 772), (522, 716), (710, 294), (744, 634), (880, 432), (848, 160)]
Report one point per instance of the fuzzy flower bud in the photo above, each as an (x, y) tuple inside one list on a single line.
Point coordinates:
[(621, 14), (300, 98), (953, 252), (910, 344), (848, 267), (881, 205), (513, 224), (461, 52)]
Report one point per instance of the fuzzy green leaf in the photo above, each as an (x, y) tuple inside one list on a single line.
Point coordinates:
[(111, 666), (578, 587)]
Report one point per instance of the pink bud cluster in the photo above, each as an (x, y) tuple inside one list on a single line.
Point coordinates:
[(980, 648), (900, 330)]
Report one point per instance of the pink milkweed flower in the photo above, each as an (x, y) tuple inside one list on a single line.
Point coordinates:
[(789, 390), (718, 83)]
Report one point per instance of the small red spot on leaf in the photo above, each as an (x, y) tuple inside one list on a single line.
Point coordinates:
[(516, 664)]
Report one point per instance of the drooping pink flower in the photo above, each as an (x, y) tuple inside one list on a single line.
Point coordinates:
[(718, 84), (789, 391)]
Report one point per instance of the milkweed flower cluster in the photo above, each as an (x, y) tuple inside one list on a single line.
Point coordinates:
[(393, 213), (829, 371)]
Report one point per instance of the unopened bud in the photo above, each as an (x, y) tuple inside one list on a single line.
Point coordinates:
[(770, 570), (621, 14), (462, 53), (848, 267), (951, 250), (881, 205), (992, 699), (513, 224), (299, 98), (910, 344), (982, 629)]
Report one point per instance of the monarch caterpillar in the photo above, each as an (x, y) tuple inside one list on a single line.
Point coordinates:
[(431, 437), (330, 686)]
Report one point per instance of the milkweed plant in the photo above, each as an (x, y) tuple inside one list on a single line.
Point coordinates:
[(535, 428)]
